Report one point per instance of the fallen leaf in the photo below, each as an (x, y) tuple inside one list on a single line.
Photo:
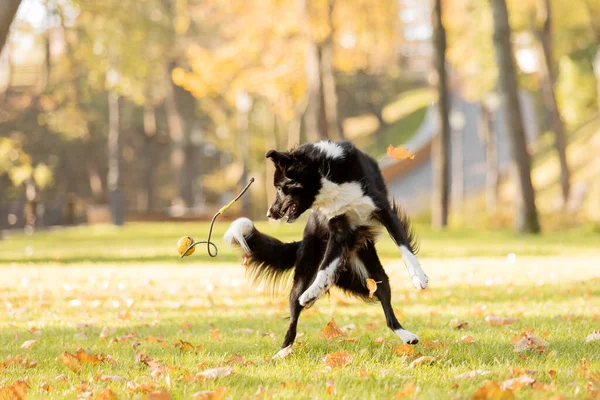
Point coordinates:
[(28, 343), (216, 335), (214, 373), (160, 394), (186, 346), (495, 320), (132, 387), (515, 372), (108, 378), (332, 330), (380, 340), (47, 387), (62, 378), (515, 384), (87, 358), (593, 336), (70, 361), (473, 374), (422, 361), (492, 390), (330, 387), (338, 359), (404, 350), (583, 367), (15, 391), (459, 324), (106, 394), (216, 394), (409, 389), (372, 286), (552, 373), (530, 342), (468, 339), (399, 153), (433, 344)]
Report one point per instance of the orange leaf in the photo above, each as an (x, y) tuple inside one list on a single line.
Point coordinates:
[(408, 390), (70, 361), (107, 394), (515, 384), (404, 350), (87, 358), (28, 343), (332, 330), (459, 324), (530, 342), (160, 394), (338, 359), (552, 373), (399, 153), (15, 391), (330, 385), (216, 394), (185, 346), (495, 320), (468, 339), (372, 286), (492, 390)]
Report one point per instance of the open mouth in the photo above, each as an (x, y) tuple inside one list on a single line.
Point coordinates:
[(290, 212)]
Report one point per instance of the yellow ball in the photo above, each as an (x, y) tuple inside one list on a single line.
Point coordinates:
[(183, 244)]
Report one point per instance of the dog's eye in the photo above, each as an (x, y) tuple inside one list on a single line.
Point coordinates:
[(279, 189)]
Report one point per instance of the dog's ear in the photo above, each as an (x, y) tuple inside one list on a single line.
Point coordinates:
[(280, 158)]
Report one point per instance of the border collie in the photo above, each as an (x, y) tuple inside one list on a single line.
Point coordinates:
[(344, 189)]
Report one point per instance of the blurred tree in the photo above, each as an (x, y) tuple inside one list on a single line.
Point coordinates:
[(8, 10), (526, 219), (441, 143), (548, 81)]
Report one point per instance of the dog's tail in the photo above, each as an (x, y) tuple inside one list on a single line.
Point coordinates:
[(409, 236), (269, 260)]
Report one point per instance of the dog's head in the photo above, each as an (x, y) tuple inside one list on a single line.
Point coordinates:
[(297, 183)]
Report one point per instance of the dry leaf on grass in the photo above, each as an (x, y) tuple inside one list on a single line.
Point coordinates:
[(492, 390), (338, 359), (108, 378), (495, 320), (423, 360), (332, 330), (399, 153), (186, 346), (216, 394), (70, 361), (433, 344), (530, 342), (330, 387), (106, 394), (552, 373), (214, 373), (583, 367), (473, 374), (132, 387), (15, 391), (515, 384), (88, 358), (409, 389), (459, 324), (372, 286), (468, 339), (593, 336), (404, 350), (28, 343), (160, 394), (47, 387)]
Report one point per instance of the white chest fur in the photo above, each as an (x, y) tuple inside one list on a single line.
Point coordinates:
[(345, 198)]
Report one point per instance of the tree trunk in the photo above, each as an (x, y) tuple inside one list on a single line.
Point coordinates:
[(549, 97), (488, 137), (8, 10), (149, 157), (334, 126), (316, 120), (441, 141), (243, 123), (526, 218), (117, 206), (179, 105)]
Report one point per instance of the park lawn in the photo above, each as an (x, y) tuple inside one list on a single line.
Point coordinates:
[(80, 282)]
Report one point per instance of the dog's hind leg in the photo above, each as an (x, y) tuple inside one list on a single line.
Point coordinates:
[(340, 242), (397, 224), (370, 259), (298, 288)]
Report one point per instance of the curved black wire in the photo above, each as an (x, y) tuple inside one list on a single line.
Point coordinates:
[(212, 223)]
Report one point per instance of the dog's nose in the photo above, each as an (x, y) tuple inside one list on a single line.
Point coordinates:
[(269, 213)]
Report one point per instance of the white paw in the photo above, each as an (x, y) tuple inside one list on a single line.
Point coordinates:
[(237, 231), (308, 297), (283, 353), (407, 337), (419, 279)]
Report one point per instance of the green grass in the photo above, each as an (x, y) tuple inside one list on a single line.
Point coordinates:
[(75, 282)]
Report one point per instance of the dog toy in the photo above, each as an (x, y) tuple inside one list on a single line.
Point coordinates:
[(186, 244)]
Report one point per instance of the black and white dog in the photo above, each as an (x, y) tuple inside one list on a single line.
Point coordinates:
[(345, 190)]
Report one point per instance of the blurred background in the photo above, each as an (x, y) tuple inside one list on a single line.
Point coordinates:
[(154, 110)]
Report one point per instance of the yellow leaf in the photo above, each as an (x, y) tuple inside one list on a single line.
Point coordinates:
[(404, 350), (216, 394), (332, 330), (70, 361), (106, 394), (372, 286), (399, 153), (409, 389), (338, 359)]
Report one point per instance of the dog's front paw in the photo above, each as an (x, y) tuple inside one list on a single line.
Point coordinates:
[(283, 353), (307, 298), (237, 233), (407, 337), (419, 279)]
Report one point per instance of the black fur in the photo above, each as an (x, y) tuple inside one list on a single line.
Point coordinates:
[(339, 245)]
